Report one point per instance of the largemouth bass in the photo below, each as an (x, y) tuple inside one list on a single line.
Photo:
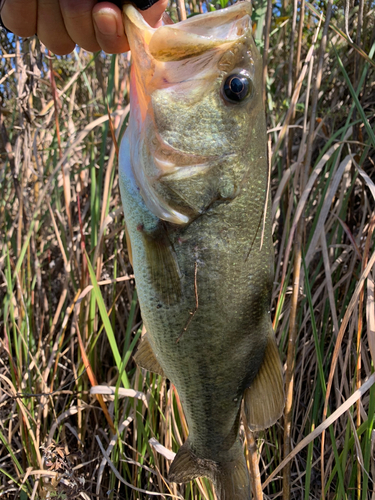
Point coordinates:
[(193, 177)]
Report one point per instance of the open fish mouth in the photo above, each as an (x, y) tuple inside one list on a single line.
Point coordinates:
[(194, 35), (175, 69)]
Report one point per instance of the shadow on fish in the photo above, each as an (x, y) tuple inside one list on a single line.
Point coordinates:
[(193, 177)]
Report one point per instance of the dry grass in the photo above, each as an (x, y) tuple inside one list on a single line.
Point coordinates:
[(69, 315)]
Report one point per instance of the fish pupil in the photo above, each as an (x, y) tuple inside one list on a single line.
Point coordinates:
[(236, 88), (237, 85)]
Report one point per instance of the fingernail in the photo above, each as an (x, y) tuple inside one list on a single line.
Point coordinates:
[(106, 23)]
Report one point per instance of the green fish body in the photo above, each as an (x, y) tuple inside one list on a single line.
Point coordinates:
[(193, 178)]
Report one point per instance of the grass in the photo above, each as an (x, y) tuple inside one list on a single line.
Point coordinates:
[(69, 315)]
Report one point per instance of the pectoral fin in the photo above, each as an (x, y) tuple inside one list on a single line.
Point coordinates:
[(145, 358), (128, 246), (264, 400), (165, 273)]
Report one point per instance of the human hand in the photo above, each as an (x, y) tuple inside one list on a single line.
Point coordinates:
[(61, 24)]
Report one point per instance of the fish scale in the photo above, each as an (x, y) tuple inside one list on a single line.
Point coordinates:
[(193, 178)]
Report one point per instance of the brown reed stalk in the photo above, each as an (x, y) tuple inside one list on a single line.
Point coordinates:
[(253, 461), (290, 363), (181, 10), (289, 376)]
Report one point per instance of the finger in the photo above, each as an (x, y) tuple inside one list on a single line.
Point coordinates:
[(19, 16), (79, 23), (109, 28), (154, 14), (51, 28)]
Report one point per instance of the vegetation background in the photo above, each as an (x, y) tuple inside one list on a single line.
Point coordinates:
[(78, 419)]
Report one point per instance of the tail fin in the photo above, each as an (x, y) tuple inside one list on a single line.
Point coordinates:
[(231, 479)]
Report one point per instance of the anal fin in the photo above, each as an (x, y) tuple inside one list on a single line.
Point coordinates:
[(145, 358), (264, 400)]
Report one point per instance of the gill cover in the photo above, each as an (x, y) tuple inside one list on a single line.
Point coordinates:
[(186, 56)]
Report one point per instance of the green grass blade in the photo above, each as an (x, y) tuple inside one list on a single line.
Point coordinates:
[(355, 98), (107, 323)]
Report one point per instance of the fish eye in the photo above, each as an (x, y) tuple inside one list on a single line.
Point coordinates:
[(237, 87)]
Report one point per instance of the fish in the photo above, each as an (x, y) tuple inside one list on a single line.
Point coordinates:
[(193, 174)]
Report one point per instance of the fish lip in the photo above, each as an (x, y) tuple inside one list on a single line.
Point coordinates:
[(230, 13), (195, 35)]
